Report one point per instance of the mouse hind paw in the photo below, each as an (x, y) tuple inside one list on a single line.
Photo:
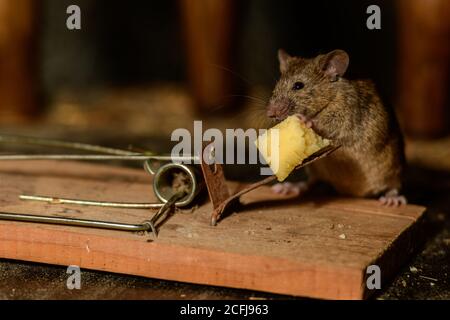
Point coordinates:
[(288, 188), (393, 199)]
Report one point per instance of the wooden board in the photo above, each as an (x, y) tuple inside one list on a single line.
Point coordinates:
[(284, 246)]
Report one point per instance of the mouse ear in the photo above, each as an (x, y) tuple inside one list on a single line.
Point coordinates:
[(334, 64), (283, 58)]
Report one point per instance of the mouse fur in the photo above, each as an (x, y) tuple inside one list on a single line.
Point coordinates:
[(351, 113)]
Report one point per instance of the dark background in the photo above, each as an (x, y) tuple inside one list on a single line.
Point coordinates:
[(136, 42)]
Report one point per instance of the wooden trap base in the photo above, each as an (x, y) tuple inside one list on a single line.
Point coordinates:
[(303, 247)]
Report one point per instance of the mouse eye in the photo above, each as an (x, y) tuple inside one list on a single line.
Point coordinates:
[(298, 86)]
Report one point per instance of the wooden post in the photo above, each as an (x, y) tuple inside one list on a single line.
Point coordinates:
[(17, 55), (208, 27), (424, 31)]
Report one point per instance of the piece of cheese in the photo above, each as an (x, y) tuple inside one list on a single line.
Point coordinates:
[(292, 143)]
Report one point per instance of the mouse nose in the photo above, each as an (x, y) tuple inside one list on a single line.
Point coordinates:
[(271, 111), (278, 109)]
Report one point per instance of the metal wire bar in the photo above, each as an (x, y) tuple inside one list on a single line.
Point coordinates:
[(75, 222), (109, 153), (162, 214), (148, 225), (110, 204), (66, 144), (96, 157)]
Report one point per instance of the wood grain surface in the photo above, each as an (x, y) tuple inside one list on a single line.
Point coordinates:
[(304, 247)]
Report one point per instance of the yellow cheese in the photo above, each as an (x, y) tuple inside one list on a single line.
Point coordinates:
[(292, 143)]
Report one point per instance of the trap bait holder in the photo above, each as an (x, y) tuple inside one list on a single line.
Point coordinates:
[(174, 184)]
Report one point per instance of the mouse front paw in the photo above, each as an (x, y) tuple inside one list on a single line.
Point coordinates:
[(308, 123), (288, 188), (393, 199)]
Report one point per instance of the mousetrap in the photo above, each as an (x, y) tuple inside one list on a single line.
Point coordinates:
[(310, 247), (313, 247)]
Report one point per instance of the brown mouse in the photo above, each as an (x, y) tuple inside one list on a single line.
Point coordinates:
[(371, 158)]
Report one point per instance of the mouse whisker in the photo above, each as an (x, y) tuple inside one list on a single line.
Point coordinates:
[(247, 81)]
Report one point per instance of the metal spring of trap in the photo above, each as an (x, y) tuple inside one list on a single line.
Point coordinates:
[(169, 192)]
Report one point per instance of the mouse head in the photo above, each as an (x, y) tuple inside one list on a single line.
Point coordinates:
[(306, 86)]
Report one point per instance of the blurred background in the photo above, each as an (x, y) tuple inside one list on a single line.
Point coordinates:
[(137, 70), (151, 66)]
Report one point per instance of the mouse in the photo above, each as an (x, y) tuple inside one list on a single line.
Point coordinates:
[(371, 158)]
